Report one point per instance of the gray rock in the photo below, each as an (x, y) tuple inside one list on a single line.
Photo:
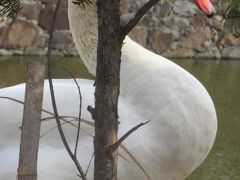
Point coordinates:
[(13, 35), (139, 34), (231, 52), (162, 41), (180, 53), (198, 20), (4, 52), (230, 40), (211, 52), (195, 40), (42, 40), (184, 8), (62, 41), (33, 51), (163, 10), (16, 52), (31, 10), (217, 23), (46, 18)]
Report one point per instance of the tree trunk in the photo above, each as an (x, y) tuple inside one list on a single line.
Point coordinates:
[(27, 167), (107, 89)]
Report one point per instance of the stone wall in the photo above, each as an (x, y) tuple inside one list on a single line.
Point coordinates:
[(173, 29)]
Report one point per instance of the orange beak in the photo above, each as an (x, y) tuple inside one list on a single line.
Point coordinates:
[(206, 7)]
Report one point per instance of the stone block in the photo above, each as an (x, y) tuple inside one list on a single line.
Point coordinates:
[(19, 34)]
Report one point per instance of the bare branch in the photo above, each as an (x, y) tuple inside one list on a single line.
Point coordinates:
[(60, 117), (51, 129), (138, 164), (115, 146), (90, 123), (89, 164), (80, 109), (138, 16), (92, 111), (73, 157)]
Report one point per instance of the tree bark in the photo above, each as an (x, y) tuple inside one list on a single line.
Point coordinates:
[(107, 89), (105, 113), (27, 167)]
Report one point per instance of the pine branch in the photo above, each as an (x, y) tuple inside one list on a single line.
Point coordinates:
[(10, 8), (81, 3), (232, 20)]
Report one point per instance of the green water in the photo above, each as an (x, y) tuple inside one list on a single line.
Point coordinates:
[(222, 80), (13, 69)]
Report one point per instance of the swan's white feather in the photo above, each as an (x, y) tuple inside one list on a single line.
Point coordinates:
[(182, 113), (183, 119)]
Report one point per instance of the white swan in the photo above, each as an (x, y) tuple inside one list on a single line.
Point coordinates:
[(176, 141)]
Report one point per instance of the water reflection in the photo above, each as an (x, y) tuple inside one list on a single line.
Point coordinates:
[(222, 80)]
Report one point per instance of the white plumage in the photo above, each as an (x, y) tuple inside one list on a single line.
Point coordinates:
[(176, 141)]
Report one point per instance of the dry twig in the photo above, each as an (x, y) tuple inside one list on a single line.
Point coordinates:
[(138, 16), (80, 109), (73, 157), (115, 146)]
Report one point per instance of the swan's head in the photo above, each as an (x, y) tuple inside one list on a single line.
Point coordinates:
[(206, 7)]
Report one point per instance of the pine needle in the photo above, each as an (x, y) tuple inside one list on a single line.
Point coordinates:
[(232, 20), (10, 8), (82, 3)]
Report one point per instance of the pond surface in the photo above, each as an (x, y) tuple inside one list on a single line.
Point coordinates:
[(222, 80), (13, 69)]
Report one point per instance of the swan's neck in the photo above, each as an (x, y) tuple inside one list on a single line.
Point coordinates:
[(83, 25)]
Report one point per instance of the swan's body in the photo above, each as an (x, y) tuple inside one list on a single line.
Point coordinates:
[(183, 119), (182, 113)]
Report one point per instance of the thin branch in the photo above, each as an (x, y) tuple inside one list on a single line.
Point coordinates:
[(12, 99), (138, 16), (63, 118), (80, 109), (115, 146), (60, 117), (53, 97), (90, 123), (138, 164), (89, 164), (51, 129), (68, 122), (132, 157)]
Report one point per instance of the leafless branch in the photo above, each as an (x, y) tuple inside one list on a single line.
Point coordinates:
[(60, 117), (138, 164), (138, 16), (51, 129), (73, 157), (115, 146), (80, 109), (132, 157), (90, 123), (89, 164)]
